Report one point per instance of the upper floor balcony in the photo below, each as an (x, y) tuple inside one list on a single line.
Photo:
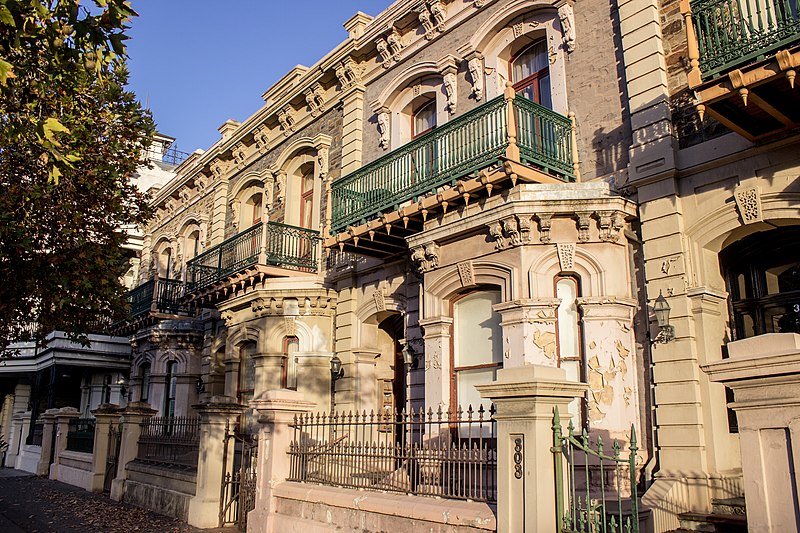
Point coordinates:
[(508, 138), (153, 299), (744, 56), (265, 249)]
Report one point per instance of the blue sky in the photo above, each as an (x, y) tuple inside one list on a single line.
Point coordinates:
[(197, 63)]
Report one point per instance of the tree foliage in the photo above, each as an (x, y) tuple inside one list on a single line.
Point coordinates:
[(71, 137)]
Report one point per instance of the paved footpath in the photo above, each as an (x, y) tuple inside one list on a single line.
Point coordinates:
[(29, 504)]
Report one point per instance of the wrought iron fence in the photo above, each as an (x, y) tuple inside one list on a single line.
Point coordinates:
[(80, 435), (544, 137), (238, 490), (173, 441), (444, 454), (600, 493), (734, 32), (173, 156)]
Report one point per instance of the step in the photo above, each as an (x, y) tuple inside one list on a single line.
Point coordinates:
[(713, 522), (735, 506)]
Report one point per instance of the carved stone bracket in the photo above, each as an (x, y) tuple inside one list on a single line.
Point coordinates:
[(315, 99), (511, 228), (322, 161), (610, 224), (348, 73), (425, 257), (239, 154), (449, 68), (545, 221), (286, 120), (475, 67), (261, 136), (383, 128), (496, 232), (583, 222), (748, 202), (567, 18)]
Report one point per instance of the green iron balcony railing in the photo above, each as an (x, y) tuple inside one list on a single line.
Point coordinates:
[(285, 246), (731, 33), (159, 295), (473, 141)]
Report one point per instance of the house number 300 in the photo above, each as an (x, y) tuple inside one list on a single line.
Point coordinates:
[(518, 458)]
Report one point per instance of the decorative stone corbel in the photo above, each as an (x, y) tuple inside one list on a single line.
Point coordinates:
[(383, 49), (511, 228), (315, 99), (218, 168), (235, 205), (352, 71), (227, 317), (524, 228), (432, 254), (496, 232), (545, 222), (383, 127), (239, 154), (439, 13), (478, 3), (448, 67), (280, 183), (269, 192), (475, 67), (261, 136), (748, 202), (583, 222), (610, 223), (395, 43), (428, 26), (286, 120), (567, 18)]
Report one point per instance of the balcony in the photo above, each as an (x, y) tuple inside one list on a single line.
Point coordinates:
[(265, 249), (503, 140), (156, 298), (744, 55)]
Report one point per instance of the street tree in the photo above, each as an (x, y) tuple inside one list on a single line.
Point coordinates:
[(71, 137)]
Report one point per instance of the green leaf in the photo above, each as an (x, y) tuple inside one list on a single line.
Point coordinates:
[(6, 71), (6, 17), (55, 174), (52, 126)]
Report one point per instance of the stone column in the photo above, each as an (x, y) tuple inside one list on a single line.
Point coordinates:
[(132, 417), (529, 331), (105, 415), (764, 373), (276, 410), (63, 418), (525, 399), (16, 437), (437, 360), (204, 506), (49, 421)]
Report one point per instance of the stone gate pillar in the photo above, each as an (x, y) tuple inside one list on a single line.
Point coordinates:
[(63, 417), (48, 431), (105, 415), (525, 398), (276, 410), (132, 417), (204, 506)]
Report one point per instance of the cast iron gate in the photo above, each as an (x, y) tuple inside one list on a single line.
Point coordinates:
[(238, 490), (112, 459)]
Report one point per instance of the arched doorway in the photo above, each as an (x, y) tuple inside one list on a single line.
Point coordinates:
[(393, 391)]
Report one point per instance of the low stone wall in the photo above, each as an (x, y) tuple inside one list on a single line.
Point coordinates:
[(73, 468), (28, 458), (160, 489), (303, 508)]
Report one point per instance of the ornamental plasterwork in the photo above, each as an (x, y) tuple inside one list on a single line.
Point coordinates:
[(449, 81), (315, 99), (610, 224), (438, 12), (395, 43), (426, 20), (383, 128), (348, 73), (239, 154), (234, 205), (566, 255), (322, 161), (525, 227), (748, 202), (311, 304), (286, 120), (466, 273), (425, 257), (475, 66), (496, 232), (567, 17), (380, 298), (383, 49), (280, 185), (290, 325), (511, 228)]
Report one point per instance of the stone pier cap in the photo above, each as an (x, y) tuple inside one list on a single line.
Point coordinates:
[(768, 355), (531, 381)]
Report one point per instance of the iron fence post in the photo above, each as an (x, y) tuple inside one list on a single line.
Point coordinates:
[(559, 474)]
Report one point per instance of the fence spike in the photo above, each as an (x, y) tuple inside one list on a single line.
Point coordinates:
[(599, 444)]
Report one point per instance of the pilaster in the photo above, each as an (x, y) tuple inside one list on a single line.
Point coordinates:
[(529, 331), (437, 333), (132, 416), (105, 415), (352, 129)]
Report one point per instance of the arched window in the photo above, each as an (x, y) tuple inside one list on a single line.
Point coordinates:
[(307, 200), (193, 245), (165, 265), (291, 345), (762, 274), (424, 119), (477, 346), (568, 337), (171, 385), (254, 208), (530, 74), (144, 375)]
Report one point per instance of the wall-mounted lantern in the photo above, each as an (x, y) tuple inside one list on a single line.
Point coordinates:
[(661, 309), (337, 372)]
